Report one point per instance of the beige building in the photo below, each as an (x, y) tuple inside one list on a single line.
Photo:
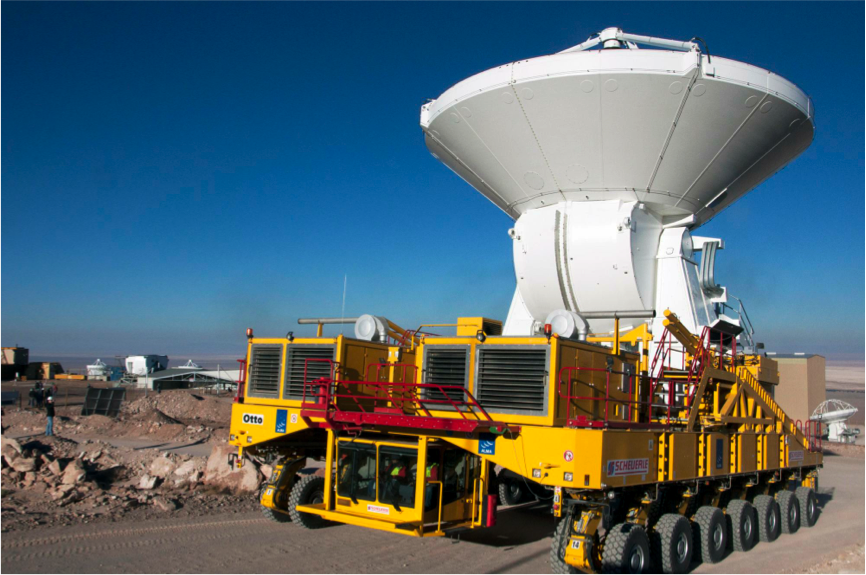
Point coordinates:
[(15, 362), (802, 383)]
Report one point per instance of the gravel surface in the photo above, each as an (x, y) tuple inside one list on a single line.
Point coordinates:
[(234, 538)]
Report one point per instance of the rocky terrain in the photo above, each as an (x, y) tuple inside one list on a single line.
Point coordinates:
[(82, 476)]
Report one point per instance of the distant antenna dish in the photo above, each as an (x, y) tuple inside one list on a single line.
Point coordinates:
[(191, 365), (834, 413)]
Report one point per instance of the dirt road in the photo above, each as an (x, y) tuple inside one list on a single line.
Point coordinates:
[(519, 544)]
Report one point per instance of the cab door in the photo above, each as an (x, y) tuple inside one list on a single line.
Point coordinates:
[(456, 470), (377, 480)]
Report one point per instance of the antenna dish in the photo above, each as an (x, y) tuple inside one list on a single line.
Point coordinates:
[(670, 126), (834, 413)]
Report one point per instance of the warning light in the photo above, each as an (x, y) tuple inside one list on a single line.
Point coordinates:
[(548, 329), (249, 333)]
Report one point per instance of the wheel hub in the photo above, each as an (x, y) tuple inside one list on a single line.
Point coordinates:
[(636, 559), (682, 547), (718, 536)]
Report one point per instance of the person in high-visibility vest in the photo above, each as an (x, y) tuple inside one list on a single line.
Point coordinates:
[(398, 471), (433, 471)]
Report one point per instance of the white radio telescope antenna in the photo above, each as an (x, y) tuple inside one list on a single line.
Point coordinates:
[(834, 413)]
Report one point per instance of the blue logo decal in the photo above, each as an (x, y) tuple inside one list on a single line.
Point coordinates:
[(282, 418), (487, 444), (720, 454)]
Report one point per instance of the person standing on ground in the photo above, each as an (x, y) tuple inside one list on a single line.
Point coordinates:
[(49, 413)]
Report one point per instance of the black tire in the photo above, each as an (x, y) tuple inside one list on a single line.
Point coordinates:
[(743, 524), (557, 550), (769, 518), (673, 543), (789, 511), (711, 533), (626, 550), (308, 490), (272, 515), (511, 490), (808, 506)]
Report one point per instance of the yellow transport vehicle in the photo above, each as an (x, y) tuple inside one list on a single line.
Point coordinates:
[(647, 463)]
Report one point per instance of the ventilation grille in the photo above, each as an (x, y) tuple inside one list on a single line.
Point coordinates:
[(446, 366), (512, 380), (296, 361), (265, 371)]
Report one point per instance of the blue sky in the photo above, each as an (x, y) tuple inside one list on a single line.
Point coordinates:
[(175, 173)]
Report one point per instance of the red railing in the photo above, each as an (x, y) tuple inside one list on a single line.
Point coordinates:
[(703, 357), (242, 381), (631, 406), (699, 363), (321, 398), (812, 431), (402, 366)]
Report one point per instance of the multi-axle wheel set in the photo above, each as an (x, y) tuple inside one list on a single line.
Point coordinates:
[(670, 533)]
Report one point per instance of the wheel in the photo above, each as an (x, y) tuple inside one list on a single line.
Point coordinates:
[(767, 510), (672, 543), (272, 515), (711, 533), (743, 527), (626, 550), (808, 506), (308, 490), (789, 511), (511, 490), (557, 549)]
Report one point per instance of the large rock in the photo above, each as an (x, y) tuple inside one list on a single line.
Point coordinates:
[(74, 473), (221, 475), (147, 482), (8, 445), (23, 464), (165, 503), (55, 467), (162, 467), (11, 450), (186, 468)]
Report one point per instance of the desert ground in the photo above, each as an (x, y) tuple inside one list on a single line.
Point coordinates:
[(149, 491)]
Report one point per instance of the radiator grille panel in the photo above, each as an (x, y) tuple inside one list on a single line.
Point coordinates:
[(265, 371), (512, 380), (296, 360), (446, 366)]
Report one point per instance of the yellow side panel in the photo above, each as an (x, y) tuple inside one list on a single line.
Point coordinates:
[(355, 358), (469, 326), (747, 457), (554, 451), (771, 450), (629, 458), (263, 423), (683, 461)]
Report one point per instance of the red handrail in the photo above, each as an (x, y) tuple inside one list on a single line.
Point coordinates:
[(379, 366), (329, 391), (630, 403), (242, 380)]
